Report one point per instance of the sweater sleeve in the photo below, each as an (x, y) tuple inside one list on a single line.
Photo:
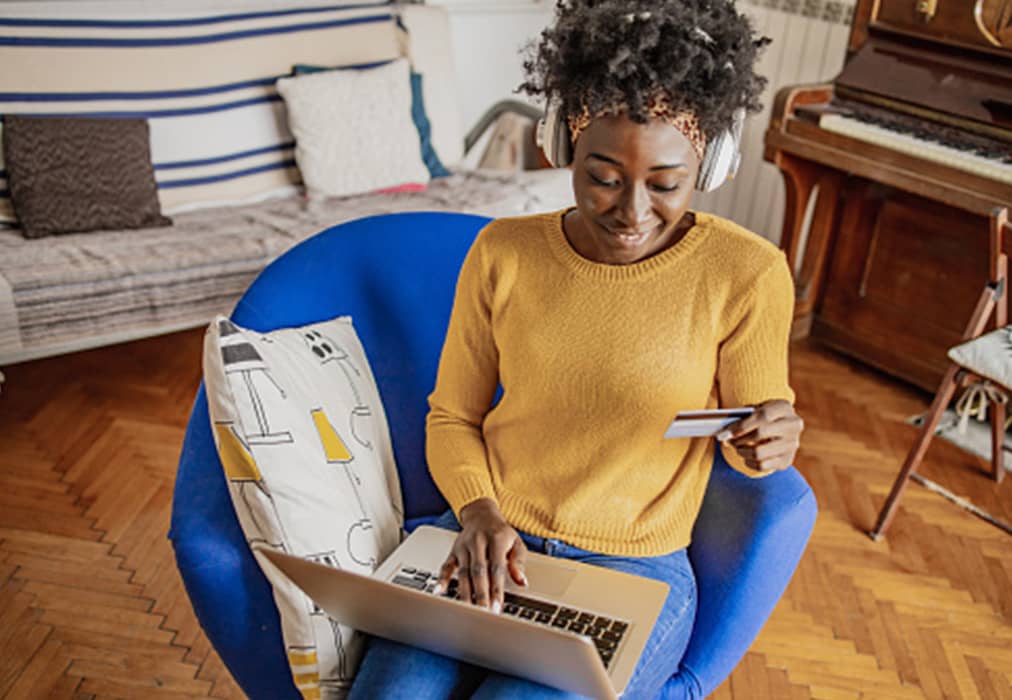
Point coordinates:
[(465, 385), (752, 360)]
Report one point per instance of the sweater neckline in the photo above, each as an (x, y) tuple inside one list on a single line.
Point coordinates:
[(566, 254)]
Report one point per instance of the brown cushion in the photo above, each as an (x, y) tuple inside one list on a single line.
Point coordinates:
[(69, 174)]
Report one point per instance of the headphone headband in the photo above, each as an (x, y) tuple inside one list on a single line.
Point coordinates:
[(718, 164)]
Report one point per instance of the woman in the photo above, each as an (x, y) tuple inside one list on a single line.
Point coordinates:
[(600, 322)]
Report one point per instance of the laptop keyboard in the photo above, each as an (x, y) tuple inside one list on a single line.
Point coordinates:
[(605, 633)]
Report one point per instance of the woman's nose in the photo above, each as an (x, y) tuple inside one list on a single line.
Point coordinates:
[(635, 205)]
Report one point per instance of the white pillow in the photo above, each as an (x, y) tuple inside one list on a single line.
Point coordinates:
[(303, 440), (353, 129)]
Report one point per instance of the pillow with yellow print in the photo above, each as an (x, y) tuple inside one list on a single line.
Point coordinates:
[(303, 440)]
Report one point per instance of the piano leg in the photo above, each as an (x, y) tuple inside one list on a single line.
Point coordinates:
[(799, 180), (801, 177), (820, 234)]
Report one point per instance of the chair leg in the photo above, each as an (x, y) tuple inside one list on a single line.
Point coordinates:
[(998, 441), (945, 391)]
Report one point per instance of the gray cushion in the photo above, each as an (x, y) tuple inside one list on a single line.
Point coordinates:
[(73, 174)]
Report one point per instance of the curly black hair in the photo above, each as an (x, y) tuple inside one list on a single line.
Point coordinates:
[(598, 53)]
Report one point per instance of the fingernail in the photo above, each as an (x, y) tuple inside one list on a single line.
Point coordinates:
[(724, 435), (523, 578), (497, 607), (440, 589)]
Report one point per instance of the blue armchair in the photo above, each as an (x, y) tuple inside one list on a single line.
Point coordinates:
[(395, 275)]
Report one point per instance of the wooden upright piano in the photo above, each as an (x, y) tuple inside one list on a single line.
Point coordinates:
[(906, 155)]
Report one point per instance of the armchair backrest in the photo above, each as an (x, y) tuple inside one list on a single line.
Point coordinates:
[(395, 275)]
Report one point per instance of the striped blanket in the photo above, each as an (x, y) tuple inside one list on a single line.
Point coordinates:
[(70, 292), (203, 79)]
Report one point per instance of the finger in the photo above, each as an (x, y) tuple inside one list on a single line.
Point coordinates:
[(478, 571), (446, 572), (778, 458), (773, 464), (765, 413), (775, 449), (762, 433), (734, 430), (464, 577), (497, 570), (517, 558), (767, 448)]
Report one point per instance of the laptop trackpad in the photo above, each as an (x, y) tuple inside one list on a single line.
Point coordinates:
[(551, 579)]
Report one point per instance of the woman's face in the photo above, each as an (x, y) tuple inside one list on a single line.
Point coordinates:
[(633, 184)]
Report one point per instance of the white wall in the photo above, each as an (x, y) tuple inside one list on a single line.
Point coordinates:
[(488, 36)]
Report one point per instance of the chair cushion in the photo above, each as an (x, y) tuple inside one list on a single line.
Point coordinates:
[(989, 356), (302, 436)]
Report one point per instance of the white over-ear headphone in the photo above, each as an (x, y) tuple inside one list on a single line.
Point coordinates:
[(719, 164)]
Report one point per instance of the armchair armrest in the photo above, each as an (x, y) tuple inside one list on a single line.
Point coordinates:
[(746, 544), (493, 113)]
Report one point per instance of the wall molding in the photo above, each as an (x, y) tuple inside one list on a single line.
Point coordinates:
[(832, 11)]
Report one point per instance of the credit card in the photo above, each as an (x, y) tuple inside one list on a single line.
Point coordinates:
[(704, 423)]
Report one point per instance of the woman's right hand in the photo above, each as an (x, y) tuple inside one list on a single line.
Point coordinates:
[(486, 549)]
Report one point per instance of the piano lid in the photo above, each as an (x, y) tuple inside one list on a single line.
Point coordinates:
[(936, 59), (984, 25)]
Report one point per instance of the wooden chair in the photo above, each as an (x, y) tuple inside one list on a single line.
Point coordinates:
[(993, 299)]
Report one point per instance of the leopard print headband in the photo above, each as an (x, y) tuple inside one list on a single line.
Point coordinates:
[(659, 106)]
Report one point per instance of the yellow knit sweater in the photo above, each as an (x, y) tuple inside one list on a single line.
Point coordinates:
[(594, 361)]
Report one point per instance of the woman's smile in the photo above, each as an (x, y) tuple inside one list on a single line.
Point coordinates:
[(631, 238)]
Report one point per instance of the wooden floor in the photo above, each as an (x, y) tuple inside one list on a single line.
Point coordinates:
[(91, 605)]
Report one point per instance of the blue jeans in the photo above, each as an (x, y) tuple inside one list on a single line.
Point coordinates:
[(393, 671)]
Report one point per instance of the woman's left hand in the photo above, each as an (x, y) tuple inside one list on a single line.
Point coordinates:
[(769, 438)]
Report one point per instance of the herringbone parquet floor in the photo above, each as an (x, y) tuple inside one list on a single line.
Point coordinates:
[(91, 605)]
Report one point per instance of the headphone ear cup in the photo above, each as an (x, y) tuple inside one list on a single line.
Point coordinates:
[(718, 162), (722, 156), (553, 137)]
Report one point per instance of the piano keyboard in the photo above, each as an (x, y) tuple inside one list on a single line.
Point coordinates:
[(992, 168)]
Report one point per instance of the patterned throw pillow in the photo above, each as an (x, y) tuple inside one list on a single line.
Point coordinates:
[(75, 174), (303, 440), (353, 129)]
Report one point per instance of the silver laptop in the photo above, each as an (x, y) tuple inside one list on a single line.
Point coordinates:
[(577, 627)]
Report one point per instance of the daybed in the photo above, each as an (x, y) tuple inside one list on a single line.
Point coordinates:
[(222, 151)]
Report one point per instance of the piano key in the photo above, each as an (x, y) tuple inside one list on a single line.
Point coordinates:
[(991, 168)]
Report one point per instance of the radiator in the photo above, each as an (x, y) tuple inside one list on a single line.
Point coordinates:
[(809, 43)]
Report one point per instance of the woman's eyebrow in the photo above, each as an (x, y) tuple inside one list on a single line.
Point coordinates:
[(606, 159)]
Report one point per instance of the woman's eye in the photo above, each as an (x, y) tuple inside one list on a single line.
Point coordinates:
[(663, 188), (602, 181)]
